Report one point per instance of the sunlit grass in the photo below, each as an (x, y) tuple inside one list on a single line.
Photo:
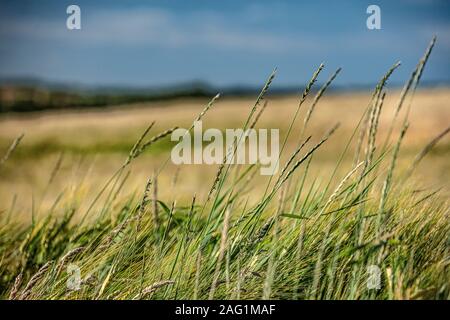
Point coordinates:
[(303, 235)]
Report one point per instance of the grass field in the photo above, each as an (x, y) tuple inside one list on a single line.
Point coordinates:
[(76, 223)]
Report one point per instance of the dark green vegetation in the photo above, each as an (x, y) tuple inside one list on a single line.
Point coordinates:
[(19, 98)]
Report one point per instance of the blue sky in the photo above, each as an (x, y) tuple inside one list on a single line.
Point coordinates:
[(153, 43)]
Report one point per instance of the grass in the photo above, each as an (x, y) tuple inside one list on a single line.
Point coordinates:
[(292, 240)]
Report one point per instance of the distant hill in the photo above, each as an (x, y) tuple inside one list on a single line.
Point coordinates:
[(34, 97), (28, 94)]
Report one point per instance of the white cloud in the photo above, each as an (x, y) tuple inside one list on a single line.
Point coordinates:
[(140, 27)]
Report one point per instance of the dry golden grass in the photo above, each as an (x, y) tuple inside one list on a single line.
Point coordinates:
[(96, 142)]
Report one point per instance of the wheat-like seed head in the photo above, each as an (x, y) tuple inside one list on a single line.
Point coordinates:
[(68, 256), (153, 140), (208, 106), (11, 149), (153, 288), (137, 144), (35, 279), (16, 286), (292, 157), (319, 95)]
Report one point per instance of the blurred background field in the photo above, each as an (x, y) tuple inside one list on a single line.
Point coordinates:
[(87, 146), (83, 97)]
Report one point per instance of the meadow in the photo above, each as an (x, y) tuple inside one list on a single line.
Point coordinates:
[(91, 206)]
